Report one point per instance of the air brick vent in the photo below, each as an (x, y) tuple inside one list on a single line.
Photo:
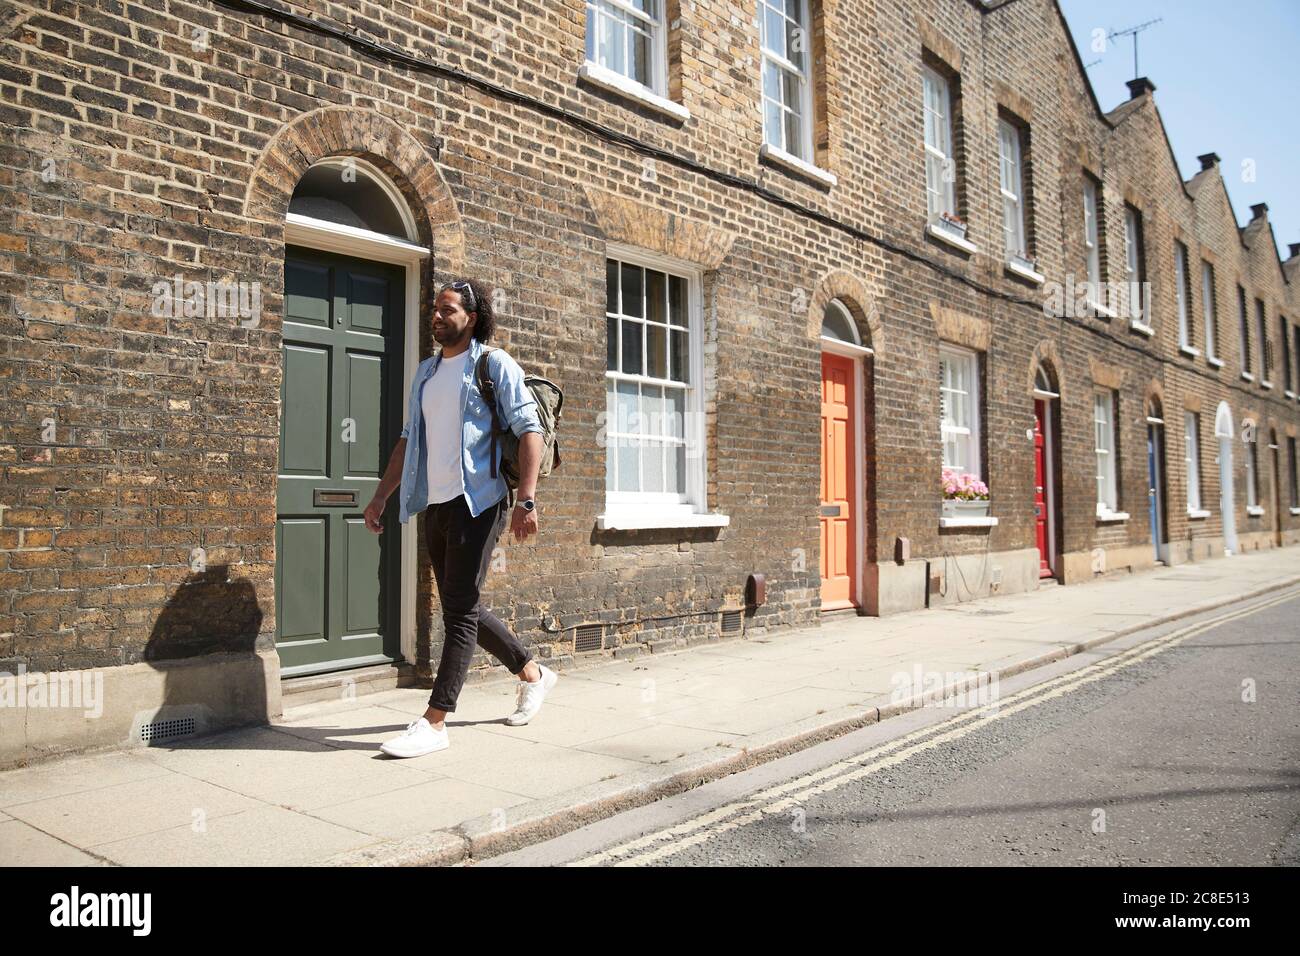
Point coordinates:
[(166, 729), (588, 637), (730, 622)]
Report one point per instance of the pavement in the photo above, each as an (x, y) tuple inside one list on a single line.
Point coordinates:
[(312, 788)]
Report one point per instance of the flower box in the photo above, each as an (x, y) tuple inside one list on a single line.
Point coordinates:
[(964, 495), (957, 508), (951, 225)]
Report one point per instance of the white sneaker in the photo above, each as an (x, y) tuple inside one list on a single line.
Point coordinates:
[(531, 696), (420, 738)]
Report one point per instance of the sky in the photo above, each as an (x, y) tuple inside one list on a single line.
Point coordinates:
[(1226, 77)]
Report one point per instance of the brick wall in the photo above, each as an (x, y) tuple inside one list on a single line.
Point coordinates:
[(140, 143)]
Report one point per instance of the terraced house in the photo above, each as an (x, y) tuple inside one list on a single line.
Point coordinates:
[(790, 260)]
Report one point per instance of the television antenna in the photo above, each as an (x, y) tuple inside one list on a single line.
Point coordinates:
[(1133, 32)]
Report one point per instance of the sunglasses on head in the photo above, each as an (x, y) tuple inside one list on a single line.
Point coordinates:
[(469, 301)]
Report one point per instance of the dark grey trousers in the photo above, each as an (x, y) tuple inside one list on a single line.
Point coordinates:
[(460, 550)]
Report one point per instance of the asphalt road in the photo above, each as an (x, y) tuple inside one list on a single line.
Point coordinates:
[(1177, 746)]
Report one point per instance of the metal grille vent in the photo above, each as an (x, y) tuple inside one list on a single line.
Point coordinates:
[(162, 729), (588, 637), (730, 622)]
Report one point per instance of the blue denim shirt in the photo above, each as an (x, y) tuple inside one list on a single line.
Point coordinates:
[(516, 407)]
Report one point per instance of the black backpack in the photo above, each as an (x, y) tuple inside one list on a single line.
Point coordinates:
[(550, 400)]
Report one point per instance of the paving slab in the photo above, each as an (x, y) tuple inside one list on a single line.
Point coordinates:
[(312, 787)]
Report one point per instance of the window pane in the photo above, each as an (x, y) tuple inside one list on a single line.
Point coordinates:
[(794, 134), (631, 344), (640, 54), (681, 368), (632, 304), (772, 124), (656, 342), (676, 469), (774, 34), (675, 408), (611, 343), (771, 80), (628, 416), (656, 301), (677, 300), (652, 467), (611, 285)]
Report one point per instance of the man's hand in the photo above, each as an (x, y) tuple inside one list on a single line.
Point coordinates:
[(375, 514), (523, 523)]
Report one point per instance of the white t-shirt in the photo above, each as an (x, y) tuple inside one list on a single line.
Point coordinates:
[(440, 405)]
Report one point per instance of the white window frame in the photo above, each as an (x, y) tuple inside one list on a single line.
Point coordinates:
[(1133, 252), (1261, 328), (1091, 238), (953, 357), (630, 510), (1243, 330), (1011, 179), (653, 24), (1210, 312), (1181, 294), (802, 150), (940, 188), (1104, 446), (1192, 461)]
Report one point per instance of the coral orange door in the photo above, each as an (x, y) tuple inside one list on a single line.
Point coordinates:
[(838, 530)]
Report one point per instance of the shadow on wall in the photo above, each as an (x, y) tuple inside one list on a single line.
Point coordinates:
[(210, 614)]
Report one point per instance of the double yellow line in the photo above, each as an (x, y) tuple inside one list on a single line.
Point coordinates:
[(781, 799)]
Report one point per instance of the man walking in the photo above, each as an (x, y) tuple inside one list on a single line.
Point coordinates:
[(443, 466)]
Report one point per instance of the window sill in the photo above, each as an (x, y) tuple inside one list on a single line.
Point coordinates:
[(1111, 517), (1295, 511), (607, 79), (1196, 514), (774, 154), (1018, 270), (1247, 377), (1214, 360), (1263, 383), (1142, 327), (1255, 511), (1189, 350), (964, 245), (972, 522), (1289, 394), (634, 521)]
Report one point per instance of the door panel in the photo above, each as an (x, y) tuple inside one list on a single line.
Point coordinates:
[(837, 516), (1156, 490), (337, 585), (1041, 498)]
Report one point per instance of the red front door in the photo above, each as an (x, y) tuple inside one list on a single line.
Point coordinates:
[(1040, 489)]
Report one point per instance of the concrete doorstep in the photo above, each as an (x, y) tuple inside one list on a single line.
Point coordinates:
[(312, 788)]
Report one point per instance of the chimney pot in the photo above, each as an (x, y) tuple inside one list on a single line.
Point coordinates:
[(1208, 160), (1259, 210), (1137, 87)]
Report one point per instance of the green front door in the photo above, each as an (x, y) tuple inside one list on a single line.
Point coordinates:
[(337, 585)]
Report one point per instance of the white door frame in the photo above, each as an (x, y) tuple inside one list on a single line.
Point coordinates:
[(363, 244), (858, 353), (1223, 431)]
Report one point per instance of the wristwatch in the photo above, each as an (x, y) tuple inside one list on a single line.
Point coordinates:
[(528, 504)]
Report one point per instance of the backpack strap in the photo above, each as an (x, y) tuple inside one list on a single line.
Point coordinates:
[(488, 388)]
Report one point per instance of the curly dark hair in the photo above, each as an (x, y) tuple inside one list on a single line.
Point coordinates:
[(481, 305)]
